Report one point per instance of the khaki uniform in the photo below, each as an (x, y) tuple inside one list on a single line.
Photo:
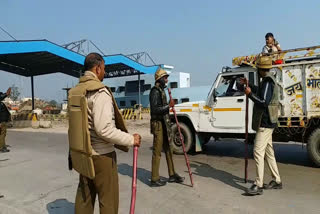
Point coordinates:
[(161, 130), (105, 185), (263, 150), (107, 130), (4, 118), (160, 140), (3, 134)]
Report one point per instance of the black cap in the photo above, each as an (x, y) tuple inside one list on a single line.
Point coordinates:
[(269, 35)]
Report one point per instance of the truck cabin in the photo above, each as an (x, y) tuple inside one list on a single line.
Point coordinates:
[(228, 84)]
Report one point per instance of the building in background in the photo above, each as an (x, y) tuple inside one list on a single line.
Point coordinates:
[(126, 89)]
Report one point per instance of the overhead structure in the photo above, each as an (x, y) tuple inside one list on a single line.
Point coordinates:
[(82, 46), (142, 57), (120, 65), (31, 58)]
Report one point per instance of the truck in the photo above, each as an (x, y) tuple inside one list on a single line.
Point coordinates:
[(222, 114)]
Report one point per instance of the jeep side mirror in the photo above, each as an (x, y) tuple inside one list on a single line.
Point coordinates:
[(214, 95)]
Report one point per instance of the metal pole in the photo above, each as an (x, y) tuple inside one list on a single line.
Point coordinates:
[(247, 141), (292, 50), (181, 139), (32, 93), (134, 180), (139, 89)]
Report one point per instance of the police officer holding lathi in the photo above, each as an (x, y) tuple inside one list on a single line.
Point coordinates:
[(161, 130), (96, 128)]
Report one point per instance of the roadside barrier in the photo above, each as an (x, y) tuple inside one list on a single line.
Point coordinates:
[(134, 114)]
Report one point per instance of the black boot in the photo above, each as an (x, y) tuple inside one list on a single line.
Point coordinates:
[(176, 178), (273, 185), (255, 190), (158, 183), (4, 149)]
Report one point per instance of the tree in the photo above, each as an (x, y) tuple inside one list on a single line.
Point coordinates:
[(53, 103), (15, 93)]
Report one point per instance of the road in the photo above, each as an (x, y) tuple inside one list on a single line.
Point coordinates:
[(34, 179)]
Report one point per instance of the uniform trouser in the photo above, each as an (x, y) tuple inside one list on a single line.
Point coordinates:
[(3, 134), (263, 150), (160, 140), (105, 184)]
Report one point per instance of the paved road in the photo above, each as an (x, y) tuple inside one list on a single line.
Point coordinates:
[(34, 179)]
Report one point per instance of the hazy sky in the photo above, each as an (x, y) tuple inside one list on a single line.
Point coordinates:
[(198, 37)]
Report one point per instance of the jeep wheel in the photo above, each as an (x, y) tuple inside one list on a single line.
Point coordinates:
[(186, 135)]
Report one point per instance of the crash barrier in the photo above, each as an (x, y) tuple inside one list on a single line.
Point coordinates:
[(36, 117), (131, 114), (145, 110), (54, 117), (134, 114), (24, 116), (127, 113), (34, 120)]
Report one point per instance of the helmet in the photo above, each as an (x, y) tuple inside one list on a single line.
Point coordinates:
[(160, 73), (264, 62)]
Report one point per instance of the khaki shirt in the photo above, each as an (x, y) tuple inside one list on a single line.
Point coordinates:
[(101, 120)]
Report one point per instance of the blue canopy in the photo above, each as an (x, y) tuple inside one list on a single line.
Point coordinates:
[(39, 57)]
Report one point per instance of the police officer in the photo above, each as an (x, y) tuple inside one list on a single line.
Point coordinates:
[(161, 130), (98, 164), (264, 121), (4, 118)]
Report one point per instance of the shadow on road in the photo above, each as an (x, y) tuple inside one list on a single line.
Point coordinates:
[(287, 153), (205, 170), (143, 175), (60, 206)]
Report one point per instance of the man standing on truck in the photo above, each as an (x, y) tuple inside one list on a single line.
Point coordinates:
[(264, 121), (272, 45), (161, 129)]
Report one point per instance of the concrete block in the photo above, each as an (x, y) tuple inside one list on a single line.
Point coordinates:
[(45, 124), (35, 124), (21, 124)]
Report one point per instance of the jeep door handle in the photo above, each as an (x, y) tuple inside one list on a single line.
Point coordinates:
[(240, 100)]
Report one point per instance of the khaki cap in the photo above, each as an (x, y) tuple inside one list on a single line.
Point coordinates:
[(264, 62), (160, 73)]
